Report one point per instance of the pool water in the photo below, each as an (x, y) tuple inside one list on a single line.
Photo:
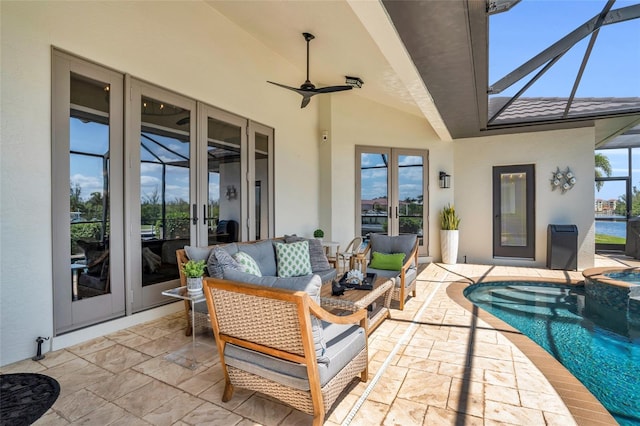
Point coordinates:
[(631, 277), (606, 359)]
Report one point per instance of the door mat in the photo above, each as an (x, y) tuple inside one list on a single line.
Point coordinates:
[(24, 397)]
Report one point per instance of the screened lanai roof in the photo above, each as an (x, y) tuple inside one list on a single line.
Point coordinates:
[(508, 66), (557, 60)]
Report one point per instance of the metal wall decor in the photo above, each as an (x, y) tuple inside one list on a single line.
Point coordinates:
[(563, 180)]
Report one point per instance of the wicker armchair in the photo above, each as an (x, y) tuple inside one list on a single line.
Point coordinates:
[(405, 278), (265, 339)]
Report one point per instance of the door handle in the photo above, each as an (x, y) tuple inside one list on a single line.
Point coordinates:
[(204, 214), (396, 212), (194, 210)]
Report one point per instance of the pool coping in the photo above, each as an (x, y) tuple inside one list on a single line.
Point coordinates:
[(585, 408), (599, 274)]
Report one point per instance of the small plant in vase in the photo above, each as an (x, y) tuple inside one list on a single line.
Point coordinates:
[(318, 233), (194, 270)]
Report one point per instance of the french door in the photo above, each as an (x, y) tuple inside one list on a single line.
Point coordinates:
[(514, 211), (392, 187), (138, 173), (87, 175)]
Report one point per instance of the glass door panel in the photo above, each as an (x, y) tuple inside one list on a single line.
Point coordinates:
[(611, 213), (411, 172), (224, 189), (87, 177), (513, 204), (162, 215), (374, 193), (261, 224), (164, 189)]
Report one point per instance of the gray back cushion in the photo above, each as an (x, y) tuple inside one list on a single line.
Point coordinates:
[(393, 244), (197, 253), (309, 283), (263, 253), (317, 257)]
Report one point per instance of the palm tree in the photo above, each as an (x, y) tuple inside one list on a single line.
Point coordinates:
[(603, 168)]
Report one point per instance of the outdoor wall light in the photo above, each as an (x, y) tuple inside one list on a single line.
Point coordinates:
[(445, 180), (231, 194)]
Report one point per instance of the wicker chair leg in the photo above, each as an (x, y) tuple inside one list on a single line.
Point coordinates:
[(228, 392), (318, 419), (364, 376)]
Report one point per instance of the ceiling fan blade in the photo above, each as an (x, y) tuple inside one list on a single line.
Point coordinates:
[(295, 89), (331, 89), (305, 101)]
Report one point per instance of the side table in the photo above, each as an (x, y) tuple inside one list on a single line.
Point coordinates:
[(180, 356)]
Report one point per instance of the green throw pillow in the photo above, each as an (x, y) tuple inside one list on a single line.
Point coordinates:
[(293, 259), (247, 263), (390, 262)]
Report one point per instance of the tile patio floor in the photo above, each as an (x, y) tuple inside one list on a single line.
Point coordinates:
[(433, 363)]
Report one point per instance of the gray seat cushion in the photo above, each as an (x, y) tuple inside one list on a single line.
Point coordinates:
[(326, 275), (344, 342)]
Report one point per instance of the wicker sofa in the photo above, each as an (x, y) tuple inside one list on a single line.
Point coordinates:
[(264, 254), (297, 352)]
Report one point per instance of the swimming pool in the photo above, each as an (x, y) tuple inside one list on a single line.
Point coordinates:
[(604, 356)]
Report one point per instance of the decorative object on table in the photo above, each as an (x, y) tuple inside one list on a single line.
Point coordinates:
[(194, 270), (337, 289), (449, 223), (563, 180), (318, 233), (25, 397), (357, 280)]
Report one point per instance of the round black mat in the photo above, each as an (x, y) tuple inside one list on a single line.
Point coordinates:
[(24, 397)]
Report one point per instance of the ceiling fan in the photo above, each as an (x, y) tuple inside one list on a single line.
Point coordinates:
[(308, 89)]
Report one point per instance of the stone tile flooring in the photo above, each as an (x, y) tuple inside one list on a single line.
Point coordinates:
[(433, 363)]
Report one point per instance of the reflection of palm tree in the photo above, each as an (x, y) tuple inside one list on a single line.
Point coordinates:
[(603, 167)]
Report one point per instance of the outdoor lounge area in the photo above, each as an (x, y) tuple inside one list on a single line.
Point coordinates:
[(433, 363), (425, 145)]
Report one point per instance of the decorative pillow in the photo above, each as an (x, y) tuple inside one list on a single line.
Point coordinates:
[(247, 263), (293, 259), (389, 262), (218, 261), (317, 256), (310, 284)]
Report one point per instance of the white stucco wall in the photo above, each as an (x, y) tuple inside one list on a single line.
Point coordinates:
[(474, 160), (358, 121), (186, 47)]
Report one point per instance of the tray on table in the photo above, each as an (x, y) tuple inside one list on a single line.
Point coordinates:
[(367, 284)]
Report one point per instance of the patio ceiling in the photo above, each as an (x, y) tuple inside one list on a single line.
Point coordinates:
[(427, 58)]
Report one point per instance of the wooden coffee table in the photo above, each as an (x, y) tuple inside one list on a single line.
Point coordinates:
[(354, 300)]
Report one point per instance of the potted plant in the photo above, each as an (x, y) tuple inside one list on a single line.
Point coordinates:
[(449, 223), (318, 233), (194, 270)]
